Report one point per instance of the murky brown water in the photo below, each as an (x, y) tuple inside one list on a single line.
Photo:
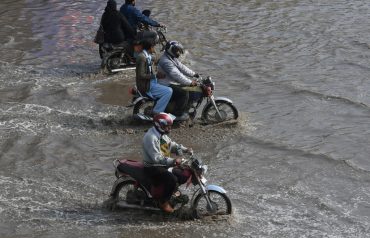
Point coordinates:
[(295, 165)]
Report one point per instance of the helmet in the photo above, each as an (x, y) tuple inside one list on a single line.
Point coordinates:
[(163, 122), (174, 48)]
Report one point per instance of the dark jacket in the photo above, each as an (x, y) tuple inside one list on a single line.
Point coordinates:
[(143, 74), (115, 25), (134, 16)]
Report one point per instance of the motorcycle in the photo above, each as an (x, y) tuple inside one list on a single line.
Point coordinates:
[(215, 110), (116, 58), (132, 190)]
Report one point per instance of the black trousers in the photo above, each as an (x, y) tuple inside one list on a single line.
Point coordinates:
[(180, 97), (161, 176)]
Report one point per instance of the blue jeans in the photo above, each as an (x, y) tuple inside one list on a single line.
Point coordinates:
[(162, 94)]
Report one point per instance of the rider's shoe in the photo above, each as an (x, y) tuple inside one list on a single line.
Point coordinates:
[(183, 117), (166, 207)]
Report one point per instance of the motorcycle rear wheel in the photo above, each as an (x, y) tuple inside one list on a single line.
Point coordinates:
[(227, 112), (115, 61), (144, 107), (221, 204), (129, 192)]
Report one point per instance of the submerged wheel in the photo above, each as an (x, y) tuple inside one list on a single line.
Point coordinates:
[(220, 204), (144, 107), (227, 112), (129, 192)]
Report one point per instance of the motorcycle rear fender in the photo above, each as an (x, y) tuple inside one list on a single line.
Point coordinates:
[(215, 188), (138, 99)]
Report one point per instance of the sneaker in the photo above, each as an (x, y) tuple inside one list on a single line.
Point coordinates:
[(183, 117)]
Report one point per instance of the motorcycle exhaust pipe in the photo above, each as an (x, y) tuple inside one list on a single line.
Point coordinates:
[(119, 70)]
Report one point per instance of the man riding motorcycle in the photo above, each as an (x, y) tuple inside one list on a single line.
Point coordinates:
[(176, 76), (157, 148), (135, 17), (147, 79)]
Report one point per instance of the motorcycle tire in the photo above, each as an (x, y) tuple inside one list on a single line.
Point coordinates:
[(227, 110), (221, 204), (128, 192), (144, 107), (115, 62)]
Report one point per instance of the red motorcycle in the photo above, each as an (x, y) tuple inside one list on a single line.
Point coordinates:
[(133, 190)]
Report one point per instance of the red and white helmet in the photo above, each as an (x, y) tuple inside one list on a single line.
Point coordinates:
[(163, 122)]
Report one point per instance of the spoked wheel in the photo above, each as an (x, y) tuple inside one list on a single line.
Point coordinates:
[(144, 107), (115, 61), (220, 204), (162, 40), (226, 109), (128, 192)]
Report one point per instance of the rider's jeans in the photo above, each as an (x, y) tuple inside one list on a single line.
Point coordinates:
[(160, 93)]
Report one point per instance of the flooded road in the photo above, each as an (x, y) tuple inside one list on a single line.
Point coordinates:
[(295, 165)]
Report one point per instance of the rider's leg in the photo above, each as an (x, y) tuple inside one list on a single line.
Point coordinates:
[(180, 97), (162, 94)]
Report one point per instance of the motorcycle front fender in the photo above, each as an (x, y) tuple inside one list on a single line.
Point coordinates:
[(215, 188), (219, 99)]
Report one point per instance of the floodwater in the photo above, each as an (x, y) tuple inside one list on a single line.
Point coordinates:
[(295, 165)]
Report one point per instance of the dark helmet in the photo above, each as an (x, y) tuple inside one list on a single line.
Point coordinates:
[(174, 48), (163, 122)]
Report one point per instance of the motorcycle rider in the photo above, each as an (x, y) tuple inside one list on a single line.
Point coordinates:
[(117, 29), (146, 79), (157, 148), (176, 76), (134, 17)]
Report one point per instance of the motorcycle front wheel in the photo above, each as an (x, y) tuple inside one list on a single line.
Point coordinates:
[(227, 112), (220, 204)]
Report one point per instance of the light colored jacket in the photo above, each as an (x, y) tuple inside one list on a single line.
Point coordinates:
[(176, 72), (158, 148)]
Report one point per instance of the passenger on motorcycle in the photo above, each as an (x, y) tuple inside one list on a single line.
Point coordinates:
[(176, 76), (157, 148), (117, 29), (134, 17), (146, 78)]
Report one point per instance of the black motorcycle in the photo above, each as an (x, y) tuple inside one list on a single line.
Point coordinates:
[(116, 58)]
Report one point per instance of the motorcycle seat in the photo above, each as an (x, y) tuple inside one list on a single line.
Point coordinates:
[(133, 168)]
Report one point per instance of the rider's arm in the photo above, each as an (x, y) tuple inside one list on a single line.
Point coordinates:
[(153, 154), (173, 73), (143, 76), (142, 18), (185, 70)]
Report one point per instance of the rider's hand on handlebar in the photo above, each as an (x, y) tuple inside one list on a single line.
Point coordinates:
[(178, 161), (193, 83)]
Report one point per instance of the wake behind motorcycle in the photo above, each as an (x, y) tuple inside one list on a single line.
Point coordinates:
[(132, 190), (215, 110)]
